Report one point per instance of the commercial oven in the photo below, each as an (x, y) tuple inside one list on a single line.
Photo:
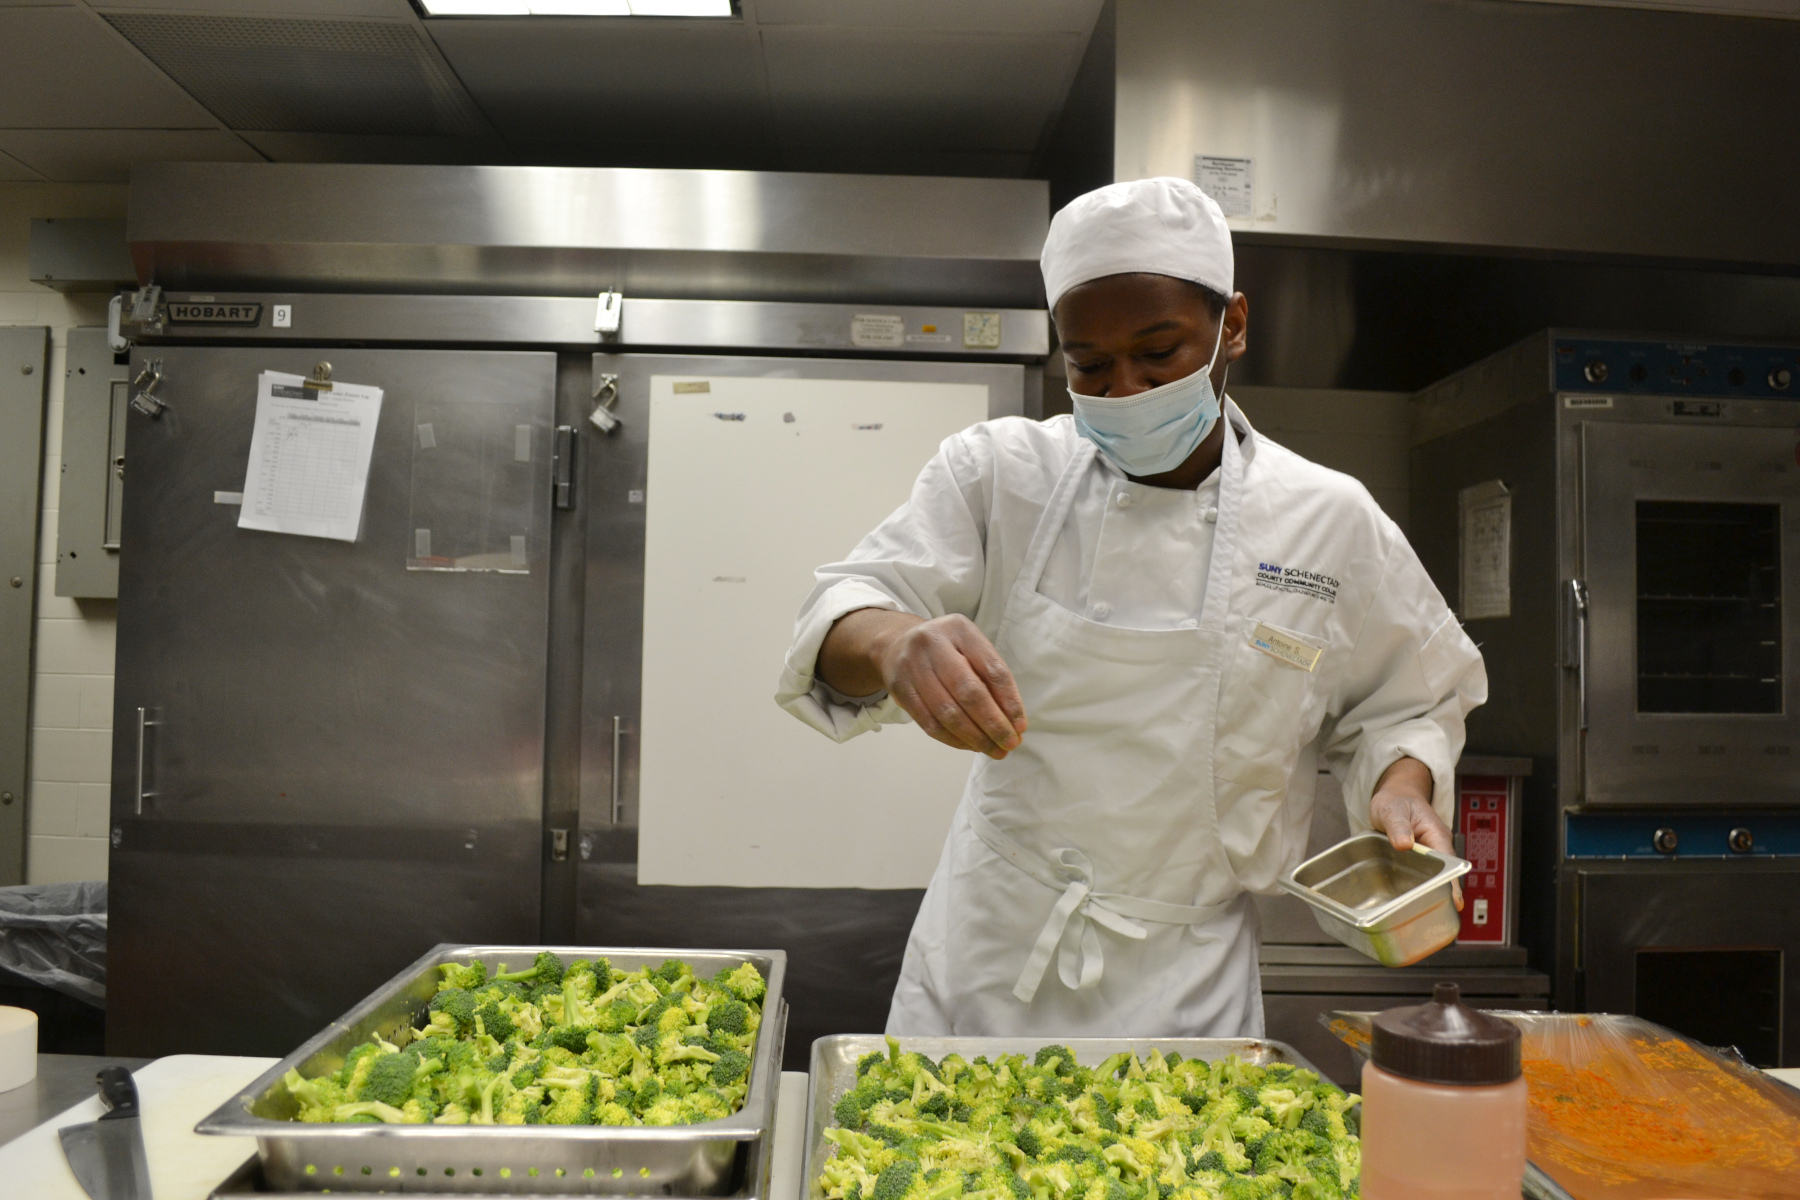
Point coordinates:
[(1616, 520)]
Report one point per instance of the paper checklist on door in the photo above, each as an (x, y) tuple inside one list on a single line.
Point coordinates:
[(309, 457)]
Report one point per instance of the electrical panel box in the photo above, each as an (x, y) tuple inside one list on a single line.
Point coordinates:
[(91, 493)]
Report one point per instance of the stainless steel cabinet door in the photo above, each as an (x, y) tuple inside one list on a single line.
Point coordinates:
[(1689, 536), (324, 761)]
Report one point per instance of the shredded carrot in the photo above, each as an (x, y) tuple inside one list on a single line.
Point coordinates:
[(1614, 1117)]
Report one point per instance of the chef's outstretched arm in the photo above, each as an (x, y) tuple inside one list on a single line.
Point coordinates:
[(944, 672)]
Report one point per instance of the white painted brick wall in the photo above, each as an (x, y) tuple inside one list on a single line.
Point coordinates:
[(72, 688)]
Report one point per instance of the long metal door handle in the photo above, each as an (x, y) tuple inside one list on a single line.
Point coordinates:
[(144, 721), (618, 794), (1578, 602)]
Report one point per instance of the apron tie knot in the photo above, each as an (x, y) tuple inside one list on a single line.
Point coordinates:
[(1081, 962)]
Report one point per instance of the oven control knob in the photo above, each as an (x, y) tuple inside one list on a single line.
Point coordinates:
[(1740, 841), (1779, 378), (1595, 371), (1665, 841)]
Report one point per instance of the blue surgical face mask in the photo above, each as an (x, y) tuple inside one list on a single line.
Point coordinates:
[(1153, 431)]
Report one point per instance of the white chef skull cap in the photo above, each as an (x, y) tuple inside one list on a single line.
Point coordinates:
[(1164, 226)]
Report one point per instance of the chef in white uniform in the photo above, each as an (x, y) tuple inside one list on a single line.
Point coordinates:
[(1155, 624)]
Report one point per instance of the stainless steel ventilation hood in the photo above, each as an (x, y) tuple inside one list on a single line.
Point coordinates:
[(738, 235)]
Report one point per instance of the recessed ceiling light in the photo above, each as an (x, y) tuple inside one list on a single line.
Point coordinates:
[(681, 8), (576, 8)]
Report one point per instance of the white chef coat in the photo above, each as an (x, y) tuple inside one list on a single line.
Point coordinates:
[(1313, 558)]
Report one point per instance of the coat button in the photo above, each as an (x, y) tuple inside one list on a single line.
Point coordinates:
[(1124, 499), (1102, 611), (1212, 516)]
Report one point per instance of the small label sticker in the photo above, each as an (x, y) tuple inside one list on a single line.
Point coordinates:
[(693, 387), (877, 331), (981, 331), (282, 316), (634, 496), (421, 543), (228, 497), (518, 549), (1587, 401), (1229, 181), (1290, 650), (521, 443), (427, 436)]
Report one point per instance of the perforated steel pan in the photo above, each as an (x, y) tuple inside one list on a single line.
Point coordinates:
[(834, 1067), (718, 1158)]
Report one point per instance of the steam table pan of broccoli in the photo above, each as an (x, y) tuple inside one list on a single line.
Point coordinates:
[(1078, 1119), (533, 1070)]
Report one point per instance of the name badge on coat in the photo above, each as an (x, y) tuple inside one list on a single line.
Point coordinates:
[(1280, 646)]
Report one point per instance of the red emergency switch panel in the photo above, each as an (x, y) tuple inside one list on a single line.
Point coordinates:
[(1481, 816)]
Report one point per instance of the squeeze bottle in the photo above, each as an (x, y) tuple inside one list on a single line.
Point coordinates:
[(1443, 1104)]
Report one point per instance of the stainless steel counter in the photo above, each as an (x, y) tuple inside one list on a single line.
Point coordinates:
[(63, 1080)]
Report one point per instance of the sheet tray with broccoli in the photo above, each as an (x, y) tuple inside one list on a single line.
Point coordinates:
[(536, 1070), (1089, 1119)]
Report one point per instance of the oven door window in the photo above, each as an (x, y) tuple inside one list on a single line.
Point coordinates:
[(1708, 607)]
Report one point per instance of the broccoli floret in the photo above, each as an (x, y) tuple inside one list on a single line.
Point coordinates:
[(732, 1066), (546, 968), (494, 1022), (743, 981), (573, 1038), (457, 1004), (872, 1059), (895, 1180), (370, 1111), (465, 976), (1063, 1057), (391, 1077), (729, 1016)]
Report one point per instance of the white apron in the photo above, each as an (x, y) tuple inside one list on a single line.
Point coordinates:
[(1083, 889)]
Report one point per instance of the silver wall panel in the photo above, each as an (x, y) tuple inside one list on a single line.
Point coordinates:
[(93, 471), (536, 230), (24, 363), (345, 759), (1475, 123)]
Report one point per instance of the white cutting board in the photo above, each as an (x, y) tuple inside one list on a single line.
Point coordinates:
[(174, 1093)]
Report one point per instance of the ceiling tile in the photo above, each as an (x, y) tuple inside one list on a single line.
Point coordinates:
[(14, 171), (353, 148), (602, 81), (106, 155), (945, 91), (307, 74), (995, 16), (63, 68), (394, 9)]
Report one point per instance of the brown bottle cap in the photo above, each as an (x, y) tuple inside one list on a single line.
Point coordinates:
[(1446, 1041)]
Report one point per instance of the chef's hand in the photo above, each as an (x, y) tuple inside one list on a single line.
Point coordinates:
[(943, 672), (1401, 808)]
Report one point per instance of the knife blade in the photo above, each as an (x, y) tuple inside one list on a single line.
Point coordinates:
[(107, 1155)]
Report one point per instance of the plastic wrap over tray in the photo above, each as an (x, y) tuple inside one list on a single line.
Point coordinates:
[(717, 1158)]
